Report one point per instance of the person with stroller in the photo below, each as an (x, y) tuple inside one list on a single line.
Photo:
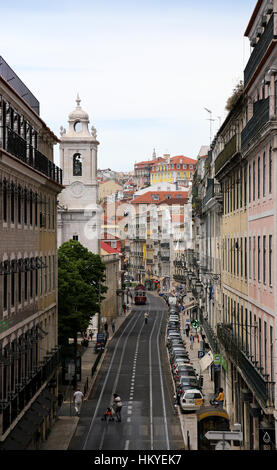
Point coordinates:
[(117, 406), (108, 415)]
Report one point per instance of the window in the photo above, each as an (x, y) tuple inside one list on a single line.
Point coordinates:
[(264, 174), (241, 257), (270, 261), (5, 281), (75, 237), (264, 259), (249, 183), (250, 274), (271, 354), (49, 273), (254, 181), (270, 170), (36, 277), (77, 164), (5, 201), (26, 279), (254, 258), (259, 259), (36, 209), (245, 258), (25, 206), (31, 207), (265, 348), (31, 278), (54, 272), (191, 167), (259, 177), (19, 280), (245, 187), (13, 270), (45, 274), (12, 203)]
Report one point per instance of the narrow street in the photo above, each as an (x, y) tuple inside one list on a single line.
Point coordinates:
[(135, 367)]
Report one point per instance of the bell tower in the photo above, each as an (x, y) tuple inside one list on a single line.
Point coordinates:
[(78, 213)]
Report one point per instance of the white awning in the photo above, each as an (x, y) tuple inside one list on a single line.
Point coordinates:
[(206, 361)]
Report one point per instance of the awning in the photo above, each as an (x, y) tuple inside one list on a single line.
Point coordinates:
[(206, 361)]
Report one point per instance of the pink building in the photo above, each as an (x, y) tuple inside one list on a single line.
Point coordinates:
[(258, 143)]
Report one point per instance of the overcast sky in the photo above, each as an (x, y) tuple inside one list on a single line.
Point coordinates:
[(145, 69)]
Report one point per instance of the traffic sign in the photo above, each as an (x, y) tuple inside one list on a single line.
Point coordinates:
[(201, 354), (224, 435)]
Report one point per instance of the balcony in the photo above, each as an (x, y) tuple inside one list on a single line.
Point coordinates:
[(259, 119), (211, 337), (213, 190), (259, 51), (229, 151), (256, 381), (17, 146), (29, 386), (164, 245), (165, 259)]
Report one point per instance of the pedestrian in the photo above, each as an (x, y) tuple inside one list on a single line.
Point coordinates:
[(106, 327), (187, 329), (117, 406), (90, 334), (113, 325), (146, 318), (124, 308), (191, 339), (78, 400), (220, 398)]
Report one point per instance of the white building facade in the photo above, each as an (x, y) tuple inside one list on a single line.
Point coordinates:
[(79, 213)]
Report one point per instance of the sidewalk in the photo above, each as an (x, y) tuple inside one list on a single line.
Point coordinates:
[(189, 421), (65, 426)]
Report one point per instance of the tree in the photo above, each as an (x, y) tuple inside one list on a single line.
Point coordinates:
[(80, 277)]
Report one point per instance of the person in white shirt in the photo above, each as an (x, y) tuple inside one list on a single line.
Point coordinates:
[(78, 400)]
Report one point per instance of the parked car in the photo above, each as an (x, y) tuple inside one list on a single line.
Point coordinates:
[(173, 325), (191, 400), (175, 341), (184, 385), (188, 366), (183, 354), (181, 370), (173, 319), (180, 361)]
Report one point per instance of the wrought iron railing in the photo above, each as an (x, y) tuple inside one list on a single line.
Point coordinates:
[(259, 51), (263, 389), (211, 336), (259, 119), (230, 149), (16, 402), (17, 146)]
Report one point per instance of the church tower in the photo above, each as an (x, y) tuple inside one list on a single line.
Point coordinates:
[(78, 212)]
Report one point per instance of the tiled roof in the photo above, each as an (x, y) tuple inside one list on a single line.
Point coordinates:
[(147, 198), (106, 247)]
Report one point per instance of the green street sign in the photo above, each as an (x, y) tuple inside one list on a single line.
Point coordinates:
[(195, 324)]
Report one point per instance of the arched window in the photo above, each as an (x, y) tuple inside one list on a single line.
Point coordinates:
[(77, 164)]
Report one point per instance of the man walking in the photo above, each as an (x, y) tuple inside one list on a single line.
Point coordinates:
[(78, 400), (145, 318), (113, 325), (191, 339)]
